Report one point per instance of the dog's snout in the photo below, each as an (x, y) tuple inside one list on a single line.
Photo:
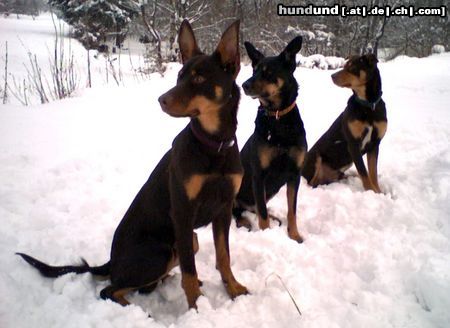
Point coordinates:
[(334, 77), (246, 85), (164, 101)]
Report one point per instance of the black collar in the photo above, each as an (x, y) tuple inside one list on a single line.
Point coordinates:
[(206, 140), (366, 103)]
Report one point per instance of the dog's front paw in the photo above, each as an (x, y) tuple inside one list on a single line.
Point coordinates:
[(190, 284), (244, 222), (235, 289), (294, 235), (264, 223)]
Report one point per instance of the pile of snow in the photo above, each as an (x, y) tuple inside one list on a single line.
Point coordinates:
[(438, 49), (320, 61), (70, 169)]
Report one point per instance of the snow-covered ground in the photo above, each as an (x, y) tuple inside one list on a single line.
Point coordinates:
[(69, 170)]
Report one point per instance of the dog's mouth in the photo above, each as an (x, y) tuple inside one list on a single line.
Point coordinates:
[(264, 95), (193, 113)]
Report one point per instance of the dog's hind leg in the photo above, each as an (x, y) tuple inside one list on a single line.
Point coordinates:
[(241, 220), (141, 267), (115, 294)]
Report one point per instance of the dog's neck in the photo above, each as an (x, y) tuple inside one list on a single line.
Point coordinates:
[(370, 92), (226, 125)]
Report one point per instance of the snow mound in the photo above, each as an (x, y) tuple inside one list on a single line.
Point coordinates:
[(320, 62)]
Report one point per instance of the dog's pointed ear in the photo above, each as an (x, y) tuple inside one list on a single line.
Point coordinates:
[(292, 49), (372, 59), (254, 55), (187, 43), (228, 49)]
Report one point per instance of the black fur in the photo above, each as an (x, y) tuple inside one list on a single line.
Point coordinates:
[(337, 149), (156, 232), (273, 83)]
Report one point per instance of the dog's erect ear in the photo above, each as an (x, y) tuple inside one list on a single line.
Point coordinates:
[(372, 59), (292, 48), (187, 43), (254, 55), (228, 49)]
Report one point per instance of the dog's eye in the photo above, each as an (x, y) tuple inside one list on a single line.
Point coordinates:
[(198, 79), (267, 73)]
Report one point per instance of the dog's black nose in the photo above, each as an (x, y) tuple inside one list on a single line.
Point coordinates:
[(163, 101), (246, 86), (333, 77)]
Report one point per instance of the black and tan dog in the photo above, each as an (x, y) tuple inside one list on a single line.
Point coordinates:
[(357, 131), (193, 184), (273, 155)]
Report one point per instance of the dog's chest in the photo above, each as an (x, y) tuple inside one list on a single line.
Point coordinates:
[(211, 186), (367, 137)]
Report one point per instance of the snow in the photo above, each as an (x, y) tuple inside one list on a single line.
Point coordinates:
[(70, 168), (320, 61), (438, 49)]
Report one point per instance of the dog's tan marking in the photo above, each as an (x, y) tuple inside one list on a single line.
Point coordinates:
[(191, 287), (236, 180), (357, 128), (233, 287), (280, 82), (323, 174), (292, 217), (381, 127), (298, 155), (266, 154), (273, 89), (263, 223), (219, 92), (315, 180), (194, 184), (196, 246), (119, 296), (208, 112), (373, 172), (367, 183), (347, 80)]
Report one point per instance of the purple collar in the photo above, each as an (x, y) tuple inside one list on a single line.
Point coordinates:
[(205, 140)]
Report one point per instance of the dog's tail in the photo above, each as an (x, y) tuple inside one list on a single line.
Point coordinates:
[(56, 271)]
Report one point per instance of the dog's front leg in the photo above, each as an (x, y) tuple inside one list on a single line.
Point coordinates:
[(183, 218), (221, 228), (354, 149), (259, 193), (372, 162), (291, 193)]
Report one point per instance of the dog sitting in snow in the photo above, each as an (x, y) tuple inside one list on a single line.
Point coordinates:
[(273, 155), (194, 183), (357, 131)]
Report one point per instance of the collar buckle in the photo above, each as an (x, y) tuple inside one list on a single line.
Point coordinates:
[(205, 140)]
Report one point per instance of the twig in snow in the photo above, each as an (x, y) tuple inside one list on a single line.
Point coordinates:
[(5, 92), (286, 289)]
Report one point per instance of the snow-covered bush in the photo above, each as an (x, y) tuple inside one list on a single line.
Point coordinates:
[(320, 62), (438, 49)]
